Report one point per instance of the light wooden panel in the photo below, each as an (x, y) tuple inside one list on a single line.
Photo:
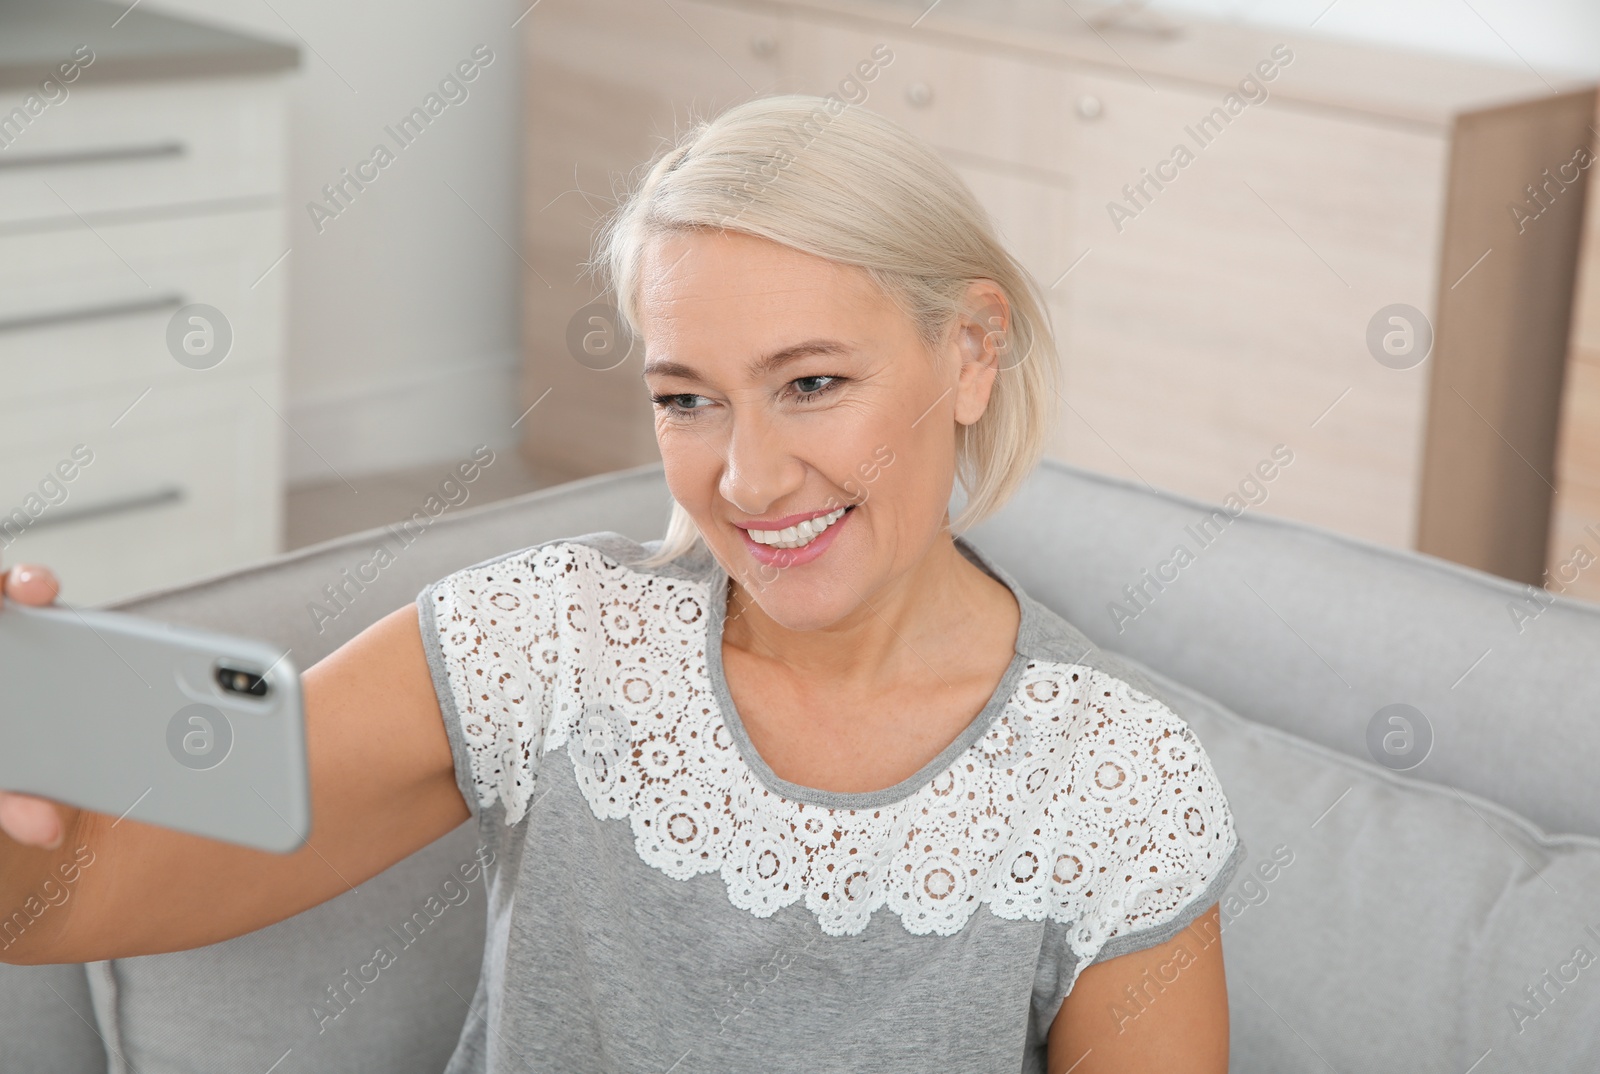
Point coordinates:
[(1229, 315), (1573, 562), (1002, 107), (1495, 395), (608, 82)]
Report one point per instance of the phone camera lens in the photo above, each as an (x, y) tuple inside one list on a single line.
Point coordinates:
[(241, 681)]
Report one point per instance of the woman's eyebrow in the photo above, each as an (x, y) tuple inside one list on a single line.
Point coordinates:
[(760, 367)]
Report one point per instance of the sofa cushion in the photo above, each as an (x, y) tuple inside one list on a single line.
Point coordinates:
[(47, 1021), (1381, 922), (375, 981), (1316, 633)]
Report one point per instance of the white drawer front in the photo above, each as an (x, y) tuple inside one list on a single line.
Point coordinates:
[(133, 146), (82, 309), (185, 484)]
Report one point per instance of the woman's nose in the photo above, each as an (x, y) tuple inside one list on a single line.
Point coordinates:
[(759, 467)]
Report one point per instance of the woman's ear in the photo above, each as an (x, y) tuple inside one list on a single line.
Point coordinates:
[(982, 336)]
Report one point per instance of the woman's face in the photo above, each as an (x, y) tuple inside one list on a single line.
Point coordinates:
[(788, 387)]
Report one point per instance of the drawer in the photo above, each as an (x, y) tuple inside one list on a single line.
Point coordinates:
[(82, 309), (187, 483), (1007, 109), (702, 53), (131, 146)]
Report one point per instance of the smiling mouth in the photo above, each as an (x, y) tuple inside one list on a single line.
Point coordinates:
[(798, 536)]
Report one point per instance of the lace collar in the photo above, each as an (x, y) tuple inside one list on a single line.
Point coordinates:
[(1072, 797)]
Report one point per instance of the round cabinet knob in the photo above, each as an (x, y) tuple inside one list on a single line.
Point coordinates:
[(920, 94), (764, 45), (1089, 106)]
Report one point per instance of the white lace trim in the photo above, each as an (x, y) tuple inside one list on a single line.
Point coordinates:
[(1087, 802)]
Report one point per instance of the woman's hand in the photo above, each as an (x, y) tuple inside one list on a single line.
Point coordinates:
[(28, 820), (383, 786)]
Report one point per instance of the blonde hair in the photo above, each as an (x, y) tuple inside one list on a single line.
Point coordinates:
[(846, 184)]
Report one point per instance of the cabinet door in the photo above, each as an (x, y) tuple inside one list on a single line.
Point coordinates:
[(607, 82), (1224, 309)]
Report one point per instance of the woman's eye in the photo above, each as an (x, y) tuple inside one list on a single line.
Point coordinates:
[(684, 405), (674, 404), (809, 393)]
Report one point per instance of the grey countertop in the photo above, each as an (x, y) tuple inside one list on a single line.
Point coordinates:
[(37, 36)]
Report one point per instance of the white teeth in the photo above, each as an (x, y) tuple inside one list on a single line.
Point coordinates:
[(797, 536)]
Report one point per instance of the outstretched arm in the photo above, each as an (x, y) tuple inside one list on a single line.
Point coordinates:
[(382, 787)]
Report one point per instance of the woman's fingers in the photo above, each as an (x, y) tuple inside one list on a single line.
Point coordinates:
[(30, 583), (30, 821)]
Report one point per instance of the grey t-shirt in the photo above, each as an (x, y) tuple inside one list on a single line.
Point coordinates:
[(660, 900)]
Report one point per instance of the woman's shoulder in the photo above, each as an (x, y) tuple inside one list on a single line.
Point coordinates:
[(1051, 642), (591, 558), (1065, 667), (1116, 749), (1091, 706)]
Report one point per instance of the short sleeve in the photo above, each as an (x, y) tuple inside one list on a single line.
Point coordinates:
[(1162, 844), (490, 635)]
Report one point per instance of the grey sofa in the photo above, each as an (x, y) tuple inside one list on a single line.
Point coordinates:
[(1418, 920)]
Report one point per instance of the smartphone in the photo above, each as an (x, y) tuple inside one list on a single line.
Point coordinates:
[(147, 721)]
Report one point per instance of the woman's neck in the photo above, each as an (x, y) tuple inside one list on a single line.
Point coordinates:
[(903, 627)]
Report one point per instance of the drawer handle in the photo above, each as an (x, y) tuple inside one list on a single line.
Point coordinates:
[(919, 94), (165, 494), (109, 155), (91, 313), (1089, 106), (764, 45)]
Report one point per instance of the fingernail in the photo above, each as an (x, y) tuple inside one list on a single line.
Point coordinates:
[(61, 833)]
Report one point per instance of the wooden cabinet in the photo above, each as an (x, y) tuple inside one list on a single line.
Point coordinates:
[(1220, 255)]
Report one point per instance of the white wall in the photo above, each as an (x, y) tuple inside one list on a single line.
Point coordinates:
[(403, 333), (402, 343), (1551, 36)]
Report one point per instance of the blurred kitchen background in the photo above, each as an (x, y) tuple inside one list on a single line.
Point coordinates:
[(273, 271)]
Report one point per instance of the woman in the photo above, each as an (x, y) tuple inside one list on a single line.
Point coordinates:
[(810, 783)]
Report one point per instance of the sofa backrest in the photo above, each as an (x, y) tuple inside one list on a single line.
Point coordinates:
[(1298, 629), (1316, 633), (1292, 625)]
